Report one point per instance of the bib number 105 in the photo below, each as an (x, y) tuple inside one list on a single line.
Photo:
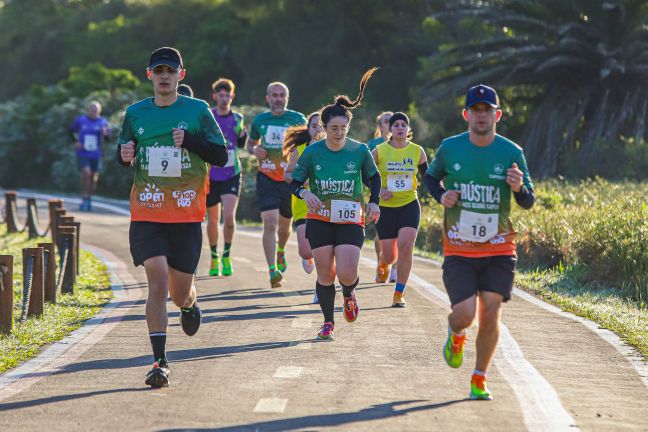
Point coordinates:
[(346, 211)]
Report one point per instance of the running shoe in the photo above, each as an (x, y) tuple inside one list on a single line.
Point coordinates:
[(326, 331), (399, 300), (282, 265), (227, 266), (453, 349), (213, 270), (275, 279), (392, 274), (158, 376), (382, 272), (190, 319), (308, 265), (315, 299), (351, 309), (478, 388)]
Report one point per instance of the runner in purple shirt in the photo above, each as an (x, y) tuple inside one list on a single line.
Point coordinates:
[(87, 131), (225, 182)]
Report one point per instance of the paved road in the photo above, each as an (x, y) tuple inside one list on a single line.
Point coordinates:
[(255, 363)]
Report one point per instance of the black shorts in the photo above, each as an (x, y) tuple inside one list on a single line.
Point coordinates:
[(273, 195), (464, 277), (298, 222), (217, 188), (392, 219), (180, 243), (320, 233)]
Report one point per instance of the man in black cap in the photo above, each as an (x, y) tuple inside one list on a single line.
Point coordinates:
[(480, 171), (169, 139)]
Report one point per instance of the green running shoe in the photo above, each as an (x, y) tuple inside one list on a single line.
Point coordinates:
[(478, 388), (453, 349), (282, 265), (227, 266), (275, 279), (213, 271)]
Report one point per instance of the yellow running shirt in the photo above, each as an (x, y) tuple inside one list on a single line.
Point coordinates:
[(397, 167), (299, 207)]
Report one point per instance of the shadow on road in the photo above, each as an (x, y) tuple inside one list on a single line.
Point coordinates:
[(374, 412), (61, 398)]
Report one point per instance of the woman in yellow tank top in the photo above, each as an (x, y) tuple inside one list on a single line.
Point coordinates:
[(398, 160), (296, 140)]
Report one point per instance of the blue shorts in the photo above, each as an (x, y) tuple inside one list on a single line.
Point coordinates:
[(93, 164)]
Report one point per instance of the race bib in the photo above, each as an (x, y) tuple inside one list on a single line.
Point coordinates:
[(274, 136), (346, 211), (164, 162), (231, 156), (399, 182), (90, 143), (477, 227)]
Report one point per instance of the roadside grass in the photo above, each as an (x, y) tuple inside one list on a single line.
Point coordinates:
[(91, 292)]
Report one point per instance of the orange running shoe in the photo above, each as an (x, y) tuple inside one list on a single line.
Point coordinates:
[(351, 308), (382, 272)]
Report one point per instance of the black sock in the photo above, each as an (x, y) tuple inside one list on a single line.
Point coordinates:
[(326, 297), (214, 252), (226, 252), (347, 290), (158, 342)]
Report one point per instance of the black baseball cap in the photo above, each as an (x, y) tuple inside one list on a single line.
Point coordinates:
[(482, 93), (166, 56)]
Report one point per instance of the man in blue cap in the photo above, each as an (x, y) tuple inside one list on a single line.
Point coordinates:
[(480, 171)]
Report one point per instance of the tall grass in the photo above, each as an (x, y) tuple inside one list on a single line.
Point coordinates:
[(597, 226)]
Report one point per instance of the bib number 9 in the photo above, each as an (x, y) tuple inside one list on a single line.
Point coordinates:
[(164, 162)]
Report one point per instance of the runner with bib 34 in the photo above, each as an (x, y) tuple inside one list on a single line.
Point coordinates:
[(480, 171), (334, 169), (273, 194)]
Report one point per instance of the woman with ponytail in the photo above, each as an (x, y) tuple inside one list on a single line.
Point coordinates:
[(296, 140), (334, 168)]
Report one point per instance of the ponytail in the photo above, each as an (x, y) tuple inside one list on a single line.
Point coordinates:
[(343, 104)]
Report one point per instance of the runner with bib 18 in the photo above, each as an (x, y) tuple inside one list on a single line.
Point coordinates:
[(480, 171)]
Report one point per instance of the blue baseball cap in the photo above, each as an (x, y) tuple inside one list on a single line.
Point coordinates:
[(482, 93)]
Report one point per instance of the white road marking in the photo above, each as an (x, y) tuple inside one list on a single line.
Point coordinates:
[(629, 352), (288, 372), (539, 402), (59, 354), (276, 406)]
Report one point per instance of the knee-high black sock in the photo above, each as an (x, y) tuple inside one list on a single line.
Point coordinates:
[(158, 342), (348, 289), (326, 296)]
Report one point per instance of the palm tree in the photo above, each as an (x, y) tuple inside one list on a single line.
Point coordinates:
[(586, 61)]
